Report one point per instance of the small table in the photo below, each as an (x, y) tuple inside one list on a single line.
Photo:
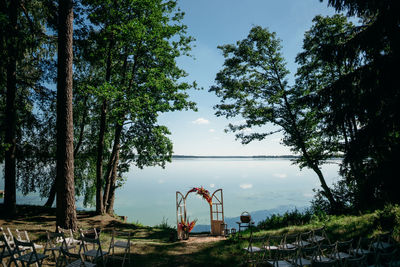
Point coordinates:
[(243, 225)]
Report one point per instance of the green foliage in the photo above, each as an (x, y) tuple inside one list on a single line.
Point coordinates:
[(289, 218), (164, 225), (363, 98), (126, 56), (388, 219), (35, 131), (253, 85)]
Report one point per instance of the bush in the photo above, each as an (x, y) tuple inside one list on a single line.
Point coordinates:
[(342, 194), (388, 219), (289, 218), (164, 225)]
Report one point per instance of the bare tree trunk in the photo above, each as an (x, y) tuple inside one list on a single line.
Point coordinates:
[(113, 177), (10, 112), (66, 211)]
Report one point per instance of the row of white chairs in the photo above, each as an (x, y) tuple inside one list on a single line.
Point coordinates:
[(18, 249), (313, 248)]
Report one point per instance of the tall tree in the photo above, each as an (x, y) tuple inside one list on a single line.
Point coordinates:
[(253, 84), (136, 44), (370, 93), (10, 112), (66, 212), (313, 75), (22, 45)]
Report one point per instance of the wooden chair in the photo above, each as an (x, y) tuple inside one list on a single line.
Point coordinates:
[(89, 233), (8, 235), (92, 233), (73, 259), (306, 255), (302, 239), (387, 258), (96, 253), (55, 241), (355, 262), (383, 243), (122, 244), (289, 241), (343, 250), (26, 238), (284, 257), (363, 247), (255, 251), (69, 237), (327, 263), (6, 251), (325, 253), (30, 257), (319, 236)]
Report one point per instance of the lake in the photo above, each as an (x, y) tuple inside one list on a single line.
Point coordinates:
[(248, 184)]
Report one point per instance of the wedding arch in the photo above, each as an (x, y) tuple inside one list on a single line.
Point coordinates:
[(216, 203)]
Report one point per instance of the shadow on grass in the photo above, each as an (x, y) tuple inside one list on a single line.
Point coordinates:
[(221, 253)]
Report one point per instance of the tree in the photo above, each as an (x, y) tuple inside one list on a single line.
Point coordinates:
[(253, 85), (66, 212), (370, 93), (313, 75), (22, 46), (10, 112), (126, 70)]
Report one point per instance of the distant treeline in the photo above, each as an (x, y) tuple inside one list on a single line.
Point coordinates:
[(234, 157), (242, 157)]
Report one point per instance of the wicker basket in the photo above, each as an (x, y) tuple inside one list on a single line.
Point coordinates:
[(245, 217)]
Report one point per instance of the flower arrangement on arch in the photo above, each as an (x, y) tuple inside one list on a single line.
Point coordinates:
[(202, 192)]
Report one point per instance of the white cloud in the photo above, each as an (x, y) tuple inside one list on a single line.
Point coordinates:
[(211, 130), (280, 175), (246, 186), (212, 185), (237, 123), (201, 121), (246, 130), (161, 181), (308, 194)]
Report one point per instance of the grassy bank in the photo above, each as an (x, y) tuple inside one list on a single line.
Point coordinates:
[(157, 246)]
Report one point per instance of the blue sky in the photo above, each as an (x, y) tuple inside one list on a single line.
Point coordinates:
[(218, 22)]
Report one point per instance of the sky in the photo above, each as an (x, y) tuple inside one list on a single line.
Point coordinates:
[(219, 22)]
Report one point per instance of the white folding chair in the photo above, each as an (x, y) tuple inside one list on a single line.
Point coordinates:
[(124, 244), (96, 253)]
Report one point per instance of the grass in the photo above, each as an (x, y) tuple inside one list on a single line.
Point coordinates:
[(157, 246)]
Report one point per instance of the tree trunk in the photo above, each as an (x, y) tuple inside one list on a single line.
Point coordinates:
[(310, 163), (100, 145), (108, 178), (52, 195), (113, 178), (52, 192), (66, 211), (10, 112)]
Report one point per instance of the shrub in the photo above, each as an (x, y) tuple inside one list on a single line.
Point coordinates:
[(289, 218), (388, 219)]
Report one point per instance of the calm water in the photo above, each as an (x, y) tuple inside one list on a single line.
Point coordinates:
[(148, 195)]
